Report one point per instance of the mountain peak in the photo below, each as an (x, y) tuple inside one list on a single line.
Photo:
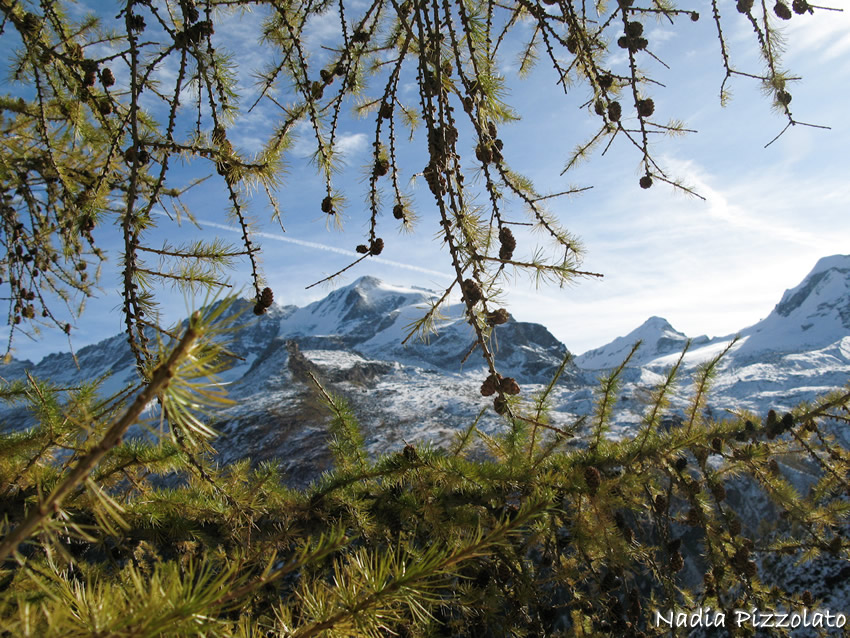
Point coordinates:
[(367, 282), (657, 338), (813, 314)]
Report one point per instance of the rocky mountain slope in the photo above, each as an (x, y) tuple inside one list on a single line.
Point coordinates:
[(352, 340)]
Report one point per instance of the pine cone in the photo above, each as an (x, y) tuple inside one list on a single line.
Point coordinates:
[(362, 249), (677, 562), (483, 153), (735, 527), (645, 182), (646, 107), (693, 518), (634, 29), (681, 463), (267, 297), (500, 405), (328, 205), (382, 167), (592, 478), (490, 385), (497, 317), (782, 11), (717, 444), (740, 559), (745, 6), (614, 111), (508, 243), (800, 7), (107, 78), (377, 247), (508, 385), (398, 211), (471, 291)]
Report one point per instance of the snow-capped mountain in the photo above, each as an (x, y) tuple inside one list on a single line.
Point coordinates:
[(352, 341)]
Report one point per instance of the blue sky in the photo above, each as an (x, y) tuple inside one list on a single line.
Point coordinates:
[(709, 267)]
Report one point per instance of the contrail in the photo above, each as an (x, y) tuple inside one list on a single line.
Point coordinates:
[(325, 247), (519, 292)]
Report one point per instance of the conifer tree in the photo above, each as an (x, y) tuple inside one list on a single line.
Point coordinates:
[(113, 534)]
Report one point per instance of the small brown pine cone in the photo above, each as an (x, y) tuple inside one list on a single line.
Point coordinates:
[(773, 466), (693, 518), (787, 422), (483, 153), (660, 503), (105, 107), (410, 454), (677, 562), (645, 182), (634, 29), (783, 97), (382, 167), (360, 36), (694, 16), (782, 11), (614, 111), (471, 291), (362, 249), (800, 7), (739, 560), (89, 78), (497, 317), (490, 385), (572, 44), (605, 82), (508, 243), (259, 309), (267, 297), (808, 599), (717, 444), (599, 107), (681, 463), (377, 247), (500, 405), (508, 385), (106, 77), (327, 76), (398, 211), (645, 108), (750, 569), (328, 205), (592, 478)]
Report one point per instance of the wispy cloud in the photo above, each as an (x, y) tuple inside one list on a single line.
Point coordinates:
[(324, 247)]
